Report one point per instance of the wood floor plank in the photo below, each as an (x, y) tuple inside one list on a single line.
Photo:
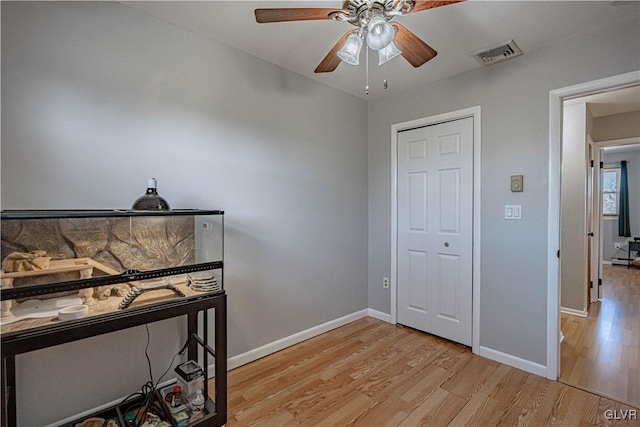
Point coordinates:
[(344, 415), (542, 414), (453, 358), (430, 379), (479, 401), (278, 417), (471, 377), (575, 407), (435, 409)]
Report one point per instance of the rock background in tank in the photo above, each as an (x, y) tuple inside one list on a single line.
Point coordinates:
[(141, 243)]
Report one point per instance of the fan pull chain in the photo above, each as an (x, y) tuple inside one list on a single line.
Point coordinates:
[(366, 88), (385, 84)]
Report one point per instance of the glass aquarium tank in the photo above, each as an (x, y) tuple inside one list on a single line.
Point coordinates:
[(61, 266)]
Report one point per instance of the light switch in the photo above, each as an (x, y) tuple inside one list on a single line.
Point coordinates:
[(513, 212)]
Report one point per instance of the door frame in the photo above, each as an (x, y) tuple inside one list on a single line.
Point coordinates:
[(473, 112), (556, 98)]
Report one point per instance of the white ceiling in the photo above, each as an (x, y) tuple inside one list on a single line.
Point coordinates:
[(454, 31), (622, 148), (611, 102)]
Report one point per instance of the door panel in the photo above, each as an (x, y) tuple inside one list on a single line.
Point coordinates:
[(449, 200), (435, 217), (413, 259), (418, 201), (418, 300), (447, 298)]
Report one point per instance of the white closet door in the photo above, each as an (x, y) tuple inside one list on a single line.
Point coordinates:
[(435, 229)]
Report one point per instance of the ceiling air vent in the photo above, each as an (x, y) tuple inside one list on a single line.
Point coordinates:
[(498, 53)]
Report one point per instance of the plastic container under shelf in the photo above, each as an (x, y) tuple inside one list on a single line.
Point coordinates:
[(190, 388)]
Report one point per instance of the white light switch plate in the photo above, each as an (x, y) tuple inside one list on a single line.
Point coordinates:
[(513, 212)]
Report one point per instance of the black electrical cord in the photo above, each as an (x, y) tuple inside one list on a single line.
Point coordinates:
[(148, 390)]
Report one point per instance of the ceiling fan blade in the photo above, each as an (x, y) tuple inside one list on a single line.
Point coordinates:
[(294, 14), (413, 48), (420, 5), (331, 61)]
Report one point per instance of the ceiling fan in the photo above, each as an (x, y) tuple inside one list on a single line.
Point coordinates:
[(372, 19)]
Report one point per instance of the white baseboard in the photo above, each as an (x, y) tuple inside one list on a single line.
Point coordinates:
[(516, 362), (281, 344), (605, 262), (379, 315), (573, 312)]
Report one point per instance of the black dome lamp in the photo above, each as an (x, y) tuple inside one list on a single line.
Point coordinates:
[(151, 200)]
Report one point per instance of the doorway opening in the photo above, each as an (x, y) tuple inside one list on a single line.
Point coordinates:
[(600, 351), (584, 294)]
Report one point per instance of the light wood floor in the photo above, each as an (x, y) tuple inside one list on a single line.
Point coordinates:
[(371, 373), (601, 352)]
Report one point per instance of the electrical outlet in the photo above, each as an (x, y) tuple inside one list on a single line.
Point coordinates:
[(385, 282), (617, 245)]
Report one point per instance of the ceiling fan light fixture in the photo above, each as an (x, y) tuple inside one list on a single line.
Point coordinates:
[(373, 19), (379, 33), (350, 51), (388, 53)]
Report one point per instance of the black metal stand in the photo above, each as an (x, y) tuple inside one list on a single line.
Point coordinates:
[(37, 338)]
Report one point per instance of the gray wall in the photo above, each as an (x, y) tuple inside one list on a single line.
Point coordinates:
[(98, 97), (514, 97), (617, 126), (610, 231)]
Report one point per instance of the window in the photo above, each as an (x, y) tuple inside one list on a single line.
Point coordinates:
[(610, 191)]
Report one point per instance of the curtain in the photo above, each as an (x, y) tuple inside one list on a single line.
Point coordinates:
[(624, 227)]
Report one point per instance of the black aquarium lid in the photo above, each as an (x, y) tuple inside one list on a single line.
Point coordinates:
[(101, 213)]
